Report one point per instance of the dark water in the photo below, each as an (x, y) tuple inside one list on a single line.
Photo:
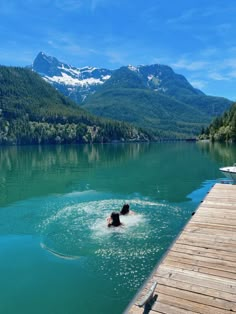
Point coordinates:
[(56, 253)]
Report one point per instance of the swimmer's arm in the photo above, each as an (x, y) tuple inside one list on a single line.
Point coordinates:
[(109, 222)]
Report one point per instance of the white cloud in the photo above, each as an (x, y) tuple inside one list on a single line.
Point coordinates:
[(189, 65), (232, 49), (64, 42), (232, 74), (217, 76), (117, 57), (94, 4), (198, 83), (209, 52), (214, 11), (161, 60), (71, 5), (230, 62), (68, 5), (222, 28), (183, 18)]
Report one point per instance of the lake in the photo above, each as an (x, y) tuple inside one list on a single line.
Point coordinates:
[(57, 254)]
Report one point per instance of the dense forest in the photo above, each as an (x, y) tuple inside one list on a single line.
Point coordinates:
[(222, 128), (33, 112), (168, 105)]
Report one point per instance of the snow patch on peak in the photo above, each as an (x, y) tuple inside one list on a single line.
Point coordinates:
[(88, 69), (106, 77), (71, 81), (150, 77), (75, 71), (133, 68)]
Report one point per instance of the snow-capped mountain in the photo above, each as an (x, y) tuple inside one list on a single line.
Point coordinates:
[(149, 96), (76, 83)]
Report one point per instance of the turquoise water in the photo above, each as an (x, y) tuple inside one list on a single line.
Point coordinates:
[(58, 256)]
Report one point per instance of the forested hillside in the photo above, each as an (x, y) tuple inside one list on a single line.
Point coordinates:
[(222, 128), (156, 98), (153, 96), (33, 112)]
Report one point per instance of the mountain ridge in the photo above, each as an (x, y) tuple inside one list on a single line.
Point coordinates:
[(79, 81), (149, 96), (176, 110), (57, 72), (33, 112)]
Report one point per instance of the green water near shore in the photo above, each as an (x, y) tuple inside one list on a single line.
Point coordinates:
[(58, 256)]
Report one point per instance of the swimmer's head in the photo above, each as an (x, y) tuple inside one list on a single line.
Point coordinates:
[(125, 209), (115, 219)]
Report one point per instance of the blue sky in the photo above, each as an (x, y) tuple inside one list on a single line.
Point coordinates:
[(196, 38)]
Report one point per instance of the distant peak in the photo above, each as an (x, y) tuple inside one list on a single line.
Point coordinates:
[(132, 68), (41, 54), (46, 64)]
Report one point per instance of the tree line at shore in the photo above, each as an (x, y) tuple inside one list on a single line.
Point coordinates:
[(222, 129), (33, 112)]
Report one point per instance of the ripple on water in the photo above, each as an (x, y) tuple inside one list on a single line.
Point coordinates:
[(81, 230)]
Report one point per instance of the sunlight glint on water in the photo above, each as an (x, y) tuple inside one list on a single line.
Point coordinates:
[(57, 254)]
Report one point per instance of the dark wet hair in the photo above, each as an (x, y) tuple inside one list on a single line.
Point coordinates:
[(125, 209), (115, 220)]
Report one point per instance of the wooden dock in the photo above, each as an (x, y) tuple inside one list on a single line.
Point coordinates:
[(198, 273)]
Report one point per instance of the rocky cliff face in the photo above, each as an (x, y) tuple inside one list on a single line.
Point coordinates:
[(76, 83)]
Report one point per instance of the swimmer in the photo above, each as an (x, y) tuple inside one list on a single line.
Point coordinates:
[(114, 220), (125, 210)]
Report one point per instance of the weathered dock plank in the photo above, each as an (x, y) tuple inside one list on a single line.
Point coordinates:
[(198, 273)]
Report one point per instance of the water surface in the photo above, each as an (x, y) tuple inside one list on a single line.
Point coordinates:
[(58, 256)]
